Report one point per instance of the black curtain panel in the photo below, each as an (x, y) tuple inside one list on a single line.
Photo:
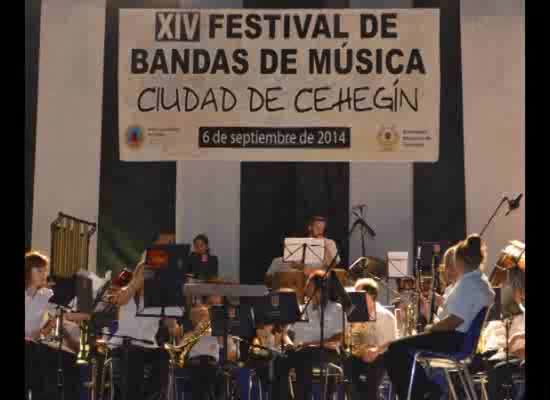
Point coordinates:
[(32, 45), (439, 188), (136, 199), (276, 201)]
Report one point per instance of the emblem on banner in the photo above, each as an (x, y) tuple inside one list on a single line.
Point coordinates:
[(275, 300), (388, 138), (134, 137)]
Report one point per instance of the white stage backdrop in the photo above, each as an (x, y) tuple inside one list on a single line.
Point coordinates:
[(68, 127), (327, 85), (493, 75)]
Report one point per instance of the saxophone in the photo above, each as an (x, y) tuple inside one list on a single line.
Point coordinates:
[(178, 353)]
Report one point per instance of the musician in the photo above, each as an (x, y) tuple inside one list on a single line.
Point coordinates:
[(41, 378), (368, 338), (307, 336), (471, 294), (202, 264), (202, 362), (316, 228), (499, 372), (130, 300), (450, 278)]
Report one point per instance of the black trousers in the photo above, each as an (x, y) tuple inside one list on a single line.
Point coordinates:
[(206, 378), (398, 360), (41, 373), (365, 377), (303, 362), (499, 375), (132, 367)]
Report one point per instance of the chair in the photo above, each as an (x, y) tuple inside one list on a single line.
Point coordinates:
[(457, 362)]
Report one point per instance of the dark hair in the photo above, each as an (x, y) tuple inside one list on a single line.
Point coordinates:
[(369, 285), (471, 251), (34, 259), (315, 218), (202, 237)]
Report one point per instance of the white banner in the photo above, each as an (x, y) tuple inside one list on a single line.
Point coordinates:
[(279, 85)]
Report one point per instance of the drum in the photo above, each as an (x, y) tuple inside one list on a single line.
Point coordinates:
[(295, 280), (510, 257)]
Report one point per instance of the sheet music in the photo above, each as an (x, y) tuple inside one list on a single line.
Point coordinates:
[(314, 251), (398, 264)]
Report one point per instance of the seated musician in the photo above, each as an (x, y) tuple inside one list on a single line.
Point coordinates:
[(307, 336), (41, 378), (203, 355), (202, 264), (130, 299), (367, 338), (470, 295), (315, 228), (499, 371)]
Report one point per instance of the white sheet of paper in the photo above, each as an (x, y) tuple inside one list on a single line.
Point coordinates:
[(314, 253), (398, 264)]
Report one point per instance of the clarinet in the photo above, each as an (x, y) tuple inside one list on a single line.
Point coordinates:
[(435, 282), (419, 325)]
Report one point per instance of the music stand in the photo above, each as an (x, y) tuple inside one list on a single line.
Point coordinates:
[(225, 291), (301, 250), (164, 275), (64, 291), (241, 320)]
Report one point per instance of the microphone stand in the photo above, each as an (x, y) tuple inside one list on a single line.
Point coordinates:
[(502, 201)]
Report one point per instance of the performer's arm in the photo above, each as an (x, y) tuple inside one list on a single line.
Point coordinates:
[(123, 296)]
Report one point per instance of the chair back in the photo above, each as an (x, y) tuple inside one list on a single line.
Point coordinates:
[(474, 333)]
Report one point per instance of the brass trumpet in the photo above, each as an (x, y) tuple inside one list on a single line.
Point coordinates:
[(84, 348)]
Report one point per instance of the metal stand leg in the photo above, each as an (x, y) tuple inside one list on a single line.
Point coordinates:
[(470, 382), (451, 384), (464, 384), (413, 370)]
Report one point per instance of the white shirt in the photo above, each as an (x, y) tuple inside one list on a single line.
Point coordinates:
[(36, 308), (144, 328), (495, 334), (210, 346), (277, 265), (445, 295), (375, 333), (311, 331), (469, 295)]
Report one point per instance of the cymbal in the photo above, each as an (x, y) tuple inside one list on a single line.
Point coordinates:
[(373, 266)]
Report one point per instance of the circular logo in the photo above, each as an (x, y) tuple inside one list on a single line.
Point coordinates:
[(134, 137), (388, 138)]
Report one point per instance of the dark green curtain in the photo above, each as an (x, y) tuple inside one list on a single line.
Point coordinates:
[(32, 45), (439, 188), (136, 199)]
